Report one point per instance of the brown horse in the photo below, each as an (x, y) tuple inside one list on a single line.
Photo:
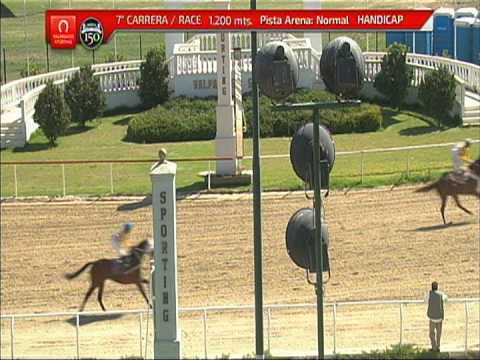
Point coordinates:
[(453, 184), (112, 269)]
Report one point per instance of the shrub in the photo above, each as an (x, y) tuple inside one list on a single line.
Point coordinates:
[(437, 93), (52, 113), (395, 75), (185, 119), (154, 79), (110, 58), (181, 119), (84, 96)]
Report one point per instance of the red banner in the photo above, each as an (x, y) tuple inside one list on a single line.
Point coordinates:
[(91, 27)]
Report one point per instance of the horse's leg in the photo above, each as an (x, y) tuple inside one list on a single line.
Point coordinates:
[(142, 290), (442, 209), (455, 197), (100, 294), (145, 281), (87, 295)]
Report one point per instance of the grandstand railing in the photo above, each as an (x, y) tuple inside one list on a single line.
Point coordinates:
[(334, 306)]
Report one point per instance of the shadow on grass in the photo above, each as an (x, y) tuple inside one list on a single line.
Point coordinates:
[(389, 117), (122, 122), (90, 319), (418, 130), (33, 147), (440, 226), (74, 130)]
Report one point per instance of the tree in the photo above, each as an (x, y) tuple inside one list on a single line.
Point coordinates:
[(154, 79), (52, 113), (437, 93), (395, 76), (84, 96)]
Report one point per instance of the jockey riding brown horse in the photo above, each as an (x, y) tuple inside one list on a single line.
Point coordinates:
[(454, 184), (104, 269)]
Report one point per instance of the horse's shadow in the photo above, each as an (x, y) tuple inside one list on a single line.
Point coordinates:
[(89, 319), (145, 202), (440, 226)]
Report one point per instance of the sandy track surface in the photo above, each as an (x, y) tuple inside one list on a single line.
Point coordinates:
[(384, 245)]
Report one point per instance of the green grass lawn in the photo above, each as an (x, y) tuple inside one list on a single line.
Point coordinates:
[(103, 140), (22, 38)]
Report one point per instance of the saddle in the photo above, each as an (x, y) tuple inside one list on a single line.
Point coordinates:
[(459, 177), (126, 264)]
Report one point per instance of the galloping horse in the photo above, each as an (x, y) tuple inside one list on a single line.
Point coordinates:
[(450, 185), (104, 269)]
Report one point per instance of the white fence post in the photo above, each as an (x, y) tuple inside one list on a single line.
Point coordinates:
[(408, 163), (361, 167), (466, 327), (334, 328), (401, 323), (77, 335), (12, 336), (15, 180), (208, 177), (111, 180), (205, 333), (140, 323), (64, 181), (269, 318)]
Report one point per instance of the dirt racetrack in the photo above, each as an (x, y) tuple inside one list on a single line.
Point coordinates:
[(384, 245)]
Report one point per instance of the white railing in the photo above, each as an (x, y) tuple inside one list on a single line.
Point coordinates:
[(268, 309), (119, 80)]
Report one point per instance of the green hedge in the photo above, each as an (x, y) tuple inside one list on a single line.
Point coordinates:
[(184, 119)]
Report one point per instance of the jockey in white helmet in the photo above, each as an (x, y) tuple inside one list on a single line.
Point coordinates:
[(461, 159), (121, 240)]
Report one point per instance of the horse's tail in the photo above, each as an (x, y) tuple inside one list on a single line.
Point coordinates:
[(429, 187), (70, 276)]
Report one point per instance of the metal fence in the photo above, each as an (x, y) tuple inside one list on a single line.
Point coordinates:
[(102, 177), (341, 326)]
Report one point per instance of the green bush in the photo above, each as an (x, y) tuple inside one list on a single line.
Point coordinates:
[(154, 79), (185, 119), (84, 96), (33, 68), (110, 58), (437, 94), (52, 113), (395, 76)]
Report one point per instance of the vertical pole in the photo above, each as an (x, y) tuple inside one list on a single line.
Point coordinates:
[(15, 180), (361, 167), (114, 41), (209, 184), (257, 202), (48, 57), (77, 334), (140, 46), (334, 328), (25, 35), (401, 323), (376, 41), (64, 183), (205, 333), (93, 56), (318, 232), (111, 178), (140, 325), (466, 327), (408, 164), (12, 337), (269, 319), (4, 66)]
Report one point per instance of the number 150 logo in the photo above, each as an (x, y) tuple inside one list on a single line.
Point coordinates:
[(91, 33)]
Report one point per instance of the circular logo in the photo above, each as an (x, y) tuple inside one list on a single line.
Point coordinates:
[(91, 33)]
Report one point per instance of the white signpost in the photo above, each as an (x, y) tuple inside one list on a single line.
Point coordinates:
[(165, 300)]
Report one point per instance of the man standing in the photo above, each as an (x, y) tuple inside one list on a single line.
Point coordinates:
[(435, 313)]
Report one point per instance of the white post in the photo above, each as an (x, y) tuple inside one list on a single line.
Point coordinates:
[(111, 178), (12, 336), (361, 167), (77, 334), (15, 180), (408, 164), (226, 139), (334, 328), (466, 327), (64, 181), (165, 299), (204, 319)]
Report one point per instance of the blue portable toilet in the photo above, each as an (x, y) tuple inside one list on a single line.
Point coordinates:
[(476, 42), (466, 12), (443, 32), (423, 42), (464, 38), (395, 37)]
